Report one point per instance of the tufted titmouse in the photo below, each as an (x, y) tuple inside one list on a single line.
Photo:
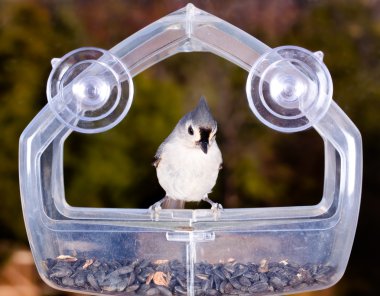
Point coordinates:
[(189, 160)]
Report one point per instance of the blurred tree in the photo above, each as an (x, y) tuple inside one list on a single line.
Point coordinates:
[(24, 68)]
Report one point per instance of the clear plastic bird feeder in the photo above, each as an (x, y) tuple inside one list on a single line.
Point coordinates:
[(189, 252)]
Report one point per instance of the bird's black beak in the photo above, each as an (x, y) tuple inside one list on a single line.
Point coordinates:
[(204, 145), (203, 142)]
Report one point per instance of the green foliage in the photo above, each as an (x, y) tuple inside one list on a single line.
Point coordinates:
[(348, 33), (24, 67)]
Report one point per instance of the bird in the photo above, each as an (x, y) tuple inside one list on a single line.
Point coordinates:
[(188, 161)]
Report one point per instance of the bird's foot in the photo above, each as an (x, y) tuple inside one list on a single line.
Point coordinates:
[(216, 208), (155, 209)]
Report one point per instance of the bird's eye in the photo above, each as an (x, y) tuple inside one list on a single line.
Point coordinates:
[(190, 130)]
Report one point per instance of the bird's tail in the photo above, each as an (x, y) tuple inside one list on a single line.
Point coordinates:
[(170, 203)]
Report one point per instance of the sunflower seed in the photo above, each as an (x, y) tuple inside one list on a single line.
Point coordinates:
[(164, 291), (258, 287)]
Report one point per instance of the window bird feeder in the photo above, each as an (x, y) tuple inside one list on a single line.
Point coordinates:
[(189, 252)]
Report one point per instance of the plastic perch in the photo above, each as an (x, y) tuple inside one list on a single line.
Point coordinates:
[(251, 251)]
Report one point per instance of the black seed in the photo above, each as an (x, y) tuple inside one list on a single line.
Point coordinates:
[(176, 265), (325, 270), (114, 264), (141, 289), (235, 283), (295, 281), (211, 292), (50, 263), (263, 278), (221, 287), (144, 263), (100, 276), (141, 279), (230, 267), (60, 272), (226, 273), (112, 281), (124, 270), (258, 287), (110, 287), (130, 279), (68, 281), (306, 276), (172, 284), (97, 263), (202, 276), (228, 288), (92, 281), (216, 282), (78, 263), (121, 286), (163, 268), (180, 290), (244, 281), (253, 267), (240, 270), (219, 273), (276, 283), (80, 279), (250, 275), (146, 272), (182, 282), (209, 270), (274, 269), (133, 288), (103, 267), (164, 291), (273, 264), (206, 285)]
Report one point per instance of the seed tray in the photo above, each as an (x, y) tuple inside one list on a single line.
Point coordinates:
[(169, 277)]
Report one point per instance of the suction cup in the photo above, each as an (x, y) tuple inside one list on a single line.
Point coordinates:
[(289, 88), (89, 90)]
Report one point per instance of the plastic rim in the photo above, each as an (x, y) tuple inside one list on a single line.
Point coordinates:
[(289, 88), (90, 90)]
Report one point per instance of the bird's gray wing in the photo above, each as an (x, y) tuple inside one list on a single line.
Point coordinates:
[(156, 161), (157, 156)]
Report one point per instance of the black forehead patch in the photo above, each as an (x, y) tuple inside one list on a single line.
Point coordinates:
[(205, 133)]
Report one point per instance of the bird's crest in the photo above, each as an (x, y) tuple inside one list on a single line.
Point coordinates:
[(202, 114)]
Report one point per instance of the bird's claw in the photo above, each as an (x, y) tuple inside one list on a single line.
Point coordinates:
[(155, 210), (216, 208)]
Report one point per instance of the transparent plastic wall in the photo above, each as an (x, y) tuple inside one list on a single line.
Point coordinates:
[(189, 252)]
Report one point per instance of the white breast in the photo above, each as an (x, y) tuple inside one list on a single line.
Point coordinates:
[(188, 173)]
